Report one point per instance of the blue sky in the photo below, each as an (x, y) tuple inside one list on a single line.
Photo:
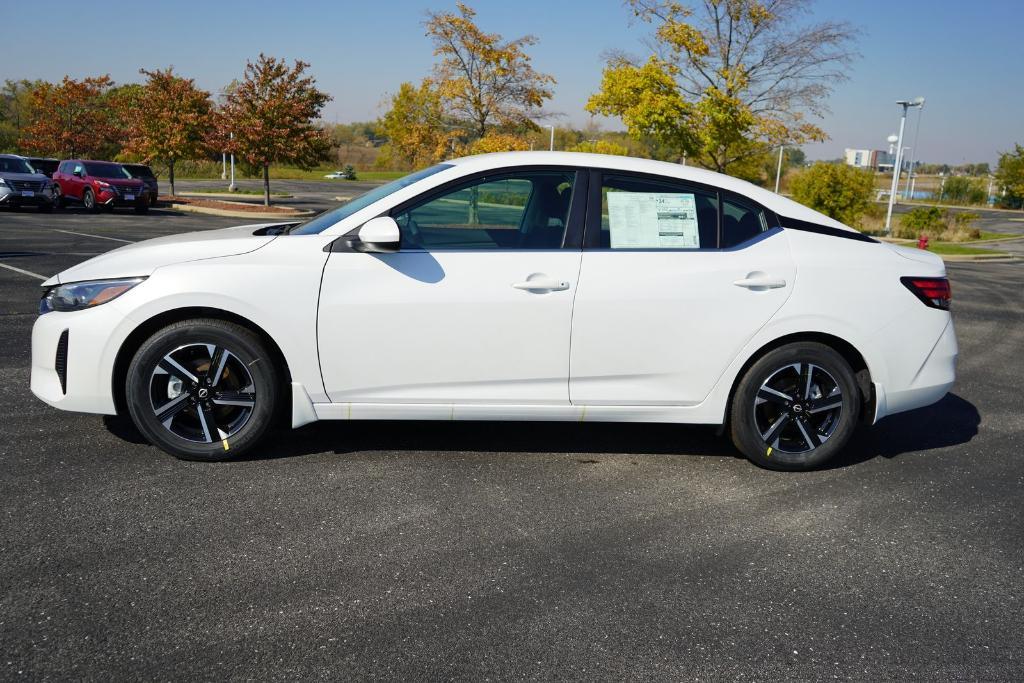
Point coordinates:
[(965, 57)]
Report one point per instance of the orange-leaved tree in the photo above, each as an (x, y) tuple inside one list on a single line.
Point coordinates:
[(270, 117), (169, 120), (72, 118)]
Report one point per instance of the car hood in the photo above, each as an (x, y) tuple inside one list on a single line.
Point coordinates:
[(33, 177), (142, 258)]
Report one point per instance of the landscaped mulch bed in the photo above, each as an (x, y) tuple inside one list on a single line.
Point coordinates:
[(247, 207)]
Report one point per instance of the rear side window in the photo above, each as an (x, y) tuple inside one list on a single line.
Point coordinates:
[(740, 223), (642, 213)]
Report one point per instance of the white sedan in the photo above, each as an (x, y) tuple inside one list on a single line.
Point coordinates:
[(517, 286)]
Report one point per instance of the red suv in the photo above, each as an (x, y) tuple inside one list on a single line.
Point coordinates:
[(98, 184)]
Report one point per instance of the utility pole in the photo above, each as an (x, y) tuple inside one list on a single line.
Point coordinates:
[(778, 171), (913, 150), (899, 160)]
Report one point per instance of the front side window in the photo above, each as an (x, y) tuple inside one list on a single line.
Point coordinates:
[(642, 213), (100, 169), (518, 210)]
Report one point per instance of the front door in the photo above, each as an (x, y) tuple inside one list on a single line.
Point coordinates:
[(475, 308), (675, 281)]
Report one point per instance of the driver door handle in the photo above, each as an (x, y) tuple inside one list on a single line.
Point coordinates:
[(760, 282), (542, 283)]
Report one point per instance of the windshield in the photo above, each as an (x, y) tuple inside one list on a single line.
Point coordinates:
[(138, 171), (10, 165), (105, 170), (329, 218)]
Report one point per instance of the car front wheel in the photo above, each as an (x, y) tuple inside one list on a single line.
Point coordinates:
[(795, 408), (203, 389), (89, 200)]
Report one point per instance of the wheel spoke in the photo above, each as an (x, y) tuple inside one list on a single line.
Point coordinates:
[(218, 358), (771, 436), (246, 399), (167, 411), (806, 379), (172, 367), (766, 393), (825, 404), (807, 437), (207, 422)]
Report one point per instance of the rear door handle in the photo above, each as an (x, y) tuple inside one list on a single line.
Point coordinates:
[(760, 282), (541, 283)]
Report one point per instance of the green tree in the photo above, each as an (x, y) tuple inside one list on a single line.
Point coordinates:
[(15, 111), (168, 119), (837, 190), (728, 80), (600, 147), (270, 117), (1010, 177), (963, 190)]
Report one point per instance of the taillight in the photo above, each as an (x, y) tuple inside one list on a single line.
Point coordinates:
[(932, 291)]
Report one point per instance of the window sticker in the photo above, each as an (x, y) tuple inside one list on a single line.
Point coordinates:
[(653, 220)]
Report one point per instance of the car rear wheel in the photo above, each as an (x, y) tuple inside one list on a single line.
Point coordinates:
[(203, 389), (89, 200), (795, 408)]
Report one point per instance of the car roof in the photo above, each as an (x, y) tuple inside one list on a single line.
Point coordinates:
[(775, 202)]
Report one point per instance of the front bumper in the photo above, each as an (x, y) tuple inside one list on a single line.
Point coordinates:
[(13, 197), (93, 338)]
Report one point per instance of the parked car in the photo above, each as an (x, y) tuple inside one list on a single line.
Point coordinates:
[(100, 184), (340, 175), (43, 165), (21, 185), (148, 178), (514, 286)]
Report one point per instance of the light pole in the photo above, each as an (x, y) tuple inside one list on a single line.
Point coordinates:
[(899, 160), (231, 185), (552, 147), (913, 149), (223, 165), (778, 171)]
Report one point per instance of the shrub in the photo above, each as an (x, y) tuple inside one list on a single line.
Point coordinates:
[(837, 190), (937, 224), (349, 172), (600, 147)]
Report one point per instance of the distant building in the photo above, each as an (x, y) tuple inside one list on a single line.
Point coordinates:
[(875, 159)]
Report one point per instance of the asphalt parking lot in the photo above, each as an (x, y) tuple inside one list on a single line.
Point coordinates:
[(477, 550)]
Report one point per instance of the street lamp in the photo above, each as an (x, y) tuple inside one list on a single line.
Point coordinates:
[(778, 171), (552, 127), (906, 104), (913, 150)]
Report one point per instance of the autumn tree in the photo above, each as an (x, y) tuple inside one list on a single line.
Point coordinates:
[(415, 128), (270, 117), (484, 80), (168, 120), (837, 190), (728, 80), (72, 118)]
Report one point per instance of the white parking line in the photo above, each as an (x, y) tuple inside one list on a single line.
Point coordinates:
[(99, 237), (23, 272)]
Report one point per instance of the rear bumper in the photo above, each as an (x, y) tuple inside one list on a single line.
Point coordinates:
[(932, 381)]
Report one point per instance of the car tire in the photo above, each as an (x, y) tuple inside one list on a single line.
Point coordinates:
[(178, 382), (89, 200), (795, 408)]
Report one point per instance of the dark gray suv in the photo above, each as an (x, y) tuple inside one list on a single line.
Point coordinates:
[(20, 185)]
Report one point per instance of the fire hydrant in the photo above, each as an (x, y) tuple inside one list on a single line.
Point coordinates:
[(922, 241)]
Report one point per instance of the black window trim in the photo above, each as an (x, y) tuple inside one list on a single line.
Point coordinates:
[(572, 237)]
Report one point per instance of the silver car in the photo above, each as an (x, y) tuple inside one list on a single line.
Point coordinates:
[(20, 185)]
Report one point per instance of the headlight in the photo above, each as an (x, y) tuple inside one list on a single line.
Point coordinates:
[(75, 296), (102, 184), (2, 181)]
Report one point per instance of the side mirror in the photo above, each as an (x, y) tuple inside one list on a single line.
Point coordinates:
[(378, 235)]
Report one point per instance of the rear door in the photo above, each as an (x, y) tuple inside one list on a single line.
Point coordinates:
[(662, 308)]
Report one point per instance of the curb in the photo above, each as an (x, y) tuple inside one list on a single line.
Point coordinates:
[(189, 208), (977, 257), (235, 196)]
